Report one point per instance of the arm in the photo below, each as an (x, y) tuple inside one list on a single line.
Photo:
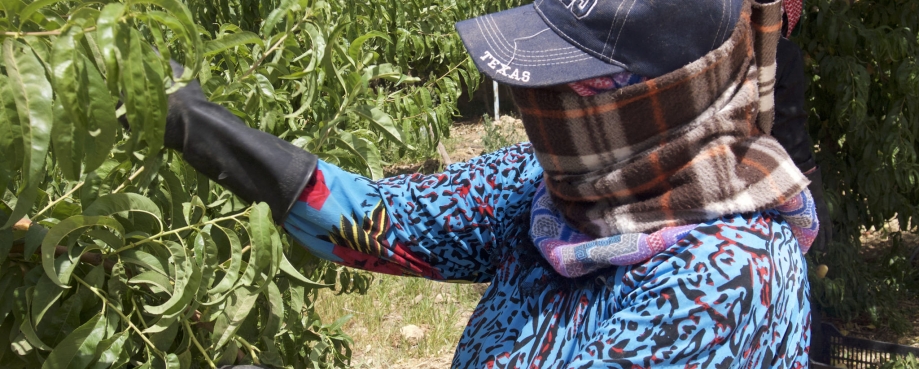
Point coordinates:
[(443, 226), (440, 226)]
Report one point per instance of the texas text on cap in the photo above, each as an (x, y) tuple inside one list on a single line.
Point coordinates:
[(552, 42)]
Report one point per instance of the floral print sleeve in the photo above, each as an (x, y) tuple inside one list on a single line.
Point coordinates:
[(442, 226)]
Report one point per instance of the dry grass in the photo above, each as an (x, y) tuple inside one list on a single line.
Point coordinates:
[(441, 310)]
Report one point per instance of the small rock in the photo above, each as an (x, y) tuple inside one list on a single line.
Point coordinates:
[(412, 333), (439, 299), (417, 299)]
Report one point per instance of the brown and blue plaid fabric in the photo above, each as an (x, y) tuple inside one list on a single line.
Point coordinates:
[(683, 148)]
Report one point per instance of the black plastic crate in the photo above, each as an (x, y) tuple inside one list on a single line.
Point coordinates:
[(858, 353)]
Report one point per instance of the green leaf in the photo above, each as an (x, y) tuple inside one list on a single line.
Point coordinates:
[(291, 271), (118, 284), (32, 93), (137, 103), (205, 259), (381, 121), (22, 297), (102, 124), (10, 280), (35, 6), (264, 85), (124, 202), (164, 337), (319, 45), (187, 282), (10, 133), (69, 156), (371, 155), (158, 282), (177, 196), (173, 361), (272, 325), (33, 239), (66, 66), (238, 307), (111, 351), (338, 323), (107, 237), (260, 236), (155, 124), (387, 72), (181, 12), (46, 294), (355, 49), (6, 244), (185, 359), (63, 229), (67, 317), (108, 29), (275, 16), (230, 41), (144, 259), (231, 274), (77, 350)]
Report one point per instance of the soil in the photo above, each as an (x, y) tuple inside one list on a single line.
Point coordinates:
[(876, 245)]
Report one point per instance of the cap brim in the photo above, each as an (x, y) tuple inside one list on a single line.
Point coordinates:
[(517, 48)]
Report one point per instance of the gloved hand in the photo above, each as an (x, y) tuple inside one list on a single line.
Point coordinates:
[(254, 165)]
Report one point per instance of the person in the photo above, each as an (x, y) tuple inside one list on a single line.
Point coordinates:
[(652, 220)]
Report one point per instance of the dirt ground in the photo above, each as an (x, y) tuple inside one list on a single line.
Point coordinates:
[(875, 245)]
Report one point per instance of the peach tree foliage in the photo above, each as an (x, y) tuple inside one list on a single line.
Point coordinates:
[(863, 100), (113, 251)]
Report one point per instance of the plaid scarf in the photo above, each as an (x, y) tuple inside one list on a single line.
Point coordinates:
[(686, 147)]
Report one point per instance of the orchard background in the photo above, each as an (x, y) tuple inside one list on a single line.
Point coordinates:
[(115, 253)]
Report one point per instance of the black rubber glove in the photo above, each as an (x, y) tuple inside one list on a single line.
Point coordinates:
[(254, 165), (790, 129)]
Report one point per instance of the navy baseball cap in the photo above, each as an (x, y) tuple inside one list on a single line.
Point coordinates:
[(552, 42)]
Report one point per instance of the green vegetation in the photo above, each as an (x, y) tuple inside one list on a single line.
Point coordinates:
[(122, 254), (864, 117)]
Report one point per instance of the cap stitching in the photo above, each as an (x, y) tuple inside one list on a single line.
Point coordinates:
[(624, 21), (492, 25), (494, 44), (610, 33), (504, 42), (524, 38), (549, 22), (720, 32)]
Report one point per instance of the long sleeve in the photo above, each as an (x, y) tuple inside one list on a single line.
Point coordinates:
[(442, 226)]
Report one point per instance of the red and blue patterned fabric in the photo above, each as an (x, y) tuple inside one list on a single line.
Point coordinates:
[(732, 293)]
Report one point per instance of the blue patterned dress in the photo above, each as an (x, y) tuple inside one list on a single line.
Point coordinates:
[(732, 294)]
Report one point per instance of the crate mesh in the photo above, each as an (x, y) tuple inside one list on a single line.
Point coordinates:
[(858, 353)]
